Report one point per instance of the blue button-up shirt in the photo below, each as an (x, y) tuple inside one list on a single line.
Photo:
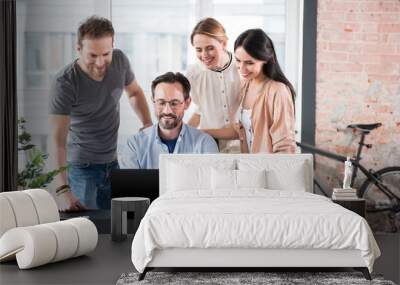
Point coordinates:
[(143, 149)]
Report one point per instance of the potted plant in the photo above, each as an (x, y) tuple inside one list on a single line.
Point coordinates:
[(33, 174)]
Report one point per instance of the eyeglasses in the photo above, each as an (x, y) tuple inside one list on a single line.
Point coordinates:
[(173, 104)]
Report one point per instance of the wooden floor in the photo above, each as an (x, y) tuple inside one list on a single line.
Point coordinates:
[(102, 266), (110, 259), (389, 262)]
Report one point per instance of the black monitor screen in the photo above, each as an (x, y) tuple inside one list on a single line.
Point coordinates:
[(134, 183)]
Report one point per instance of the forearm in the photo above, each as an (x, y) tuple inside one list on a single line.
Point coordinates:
[(61, 160), (59, 132), (244, 148), (194, 121), (227, 133), (139, 105), (286, 145)]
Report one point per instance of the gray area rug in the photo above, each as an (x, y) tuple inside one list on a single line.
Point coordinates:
[(228, 278)]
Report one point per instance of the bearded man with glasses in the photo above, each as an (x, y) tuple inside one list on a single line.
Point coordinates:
[(170, 94)]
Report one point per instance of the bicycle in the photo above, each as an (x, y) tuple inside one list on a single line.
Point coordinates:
[(380, 189)]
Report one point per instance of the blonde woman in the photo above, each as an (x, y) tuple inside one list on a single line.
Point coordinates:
[(214, 80), (267, 121)]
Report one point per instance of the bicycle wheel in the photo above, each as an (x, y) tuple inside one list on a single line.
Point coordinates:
[(383, 213)]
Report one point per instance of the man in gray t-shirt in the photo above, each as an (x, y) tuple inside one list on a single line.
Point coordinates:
[(84, 109)]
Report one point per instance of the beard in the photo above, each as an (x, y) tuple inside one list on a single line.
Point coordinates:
[(99, 73), (169, 121)]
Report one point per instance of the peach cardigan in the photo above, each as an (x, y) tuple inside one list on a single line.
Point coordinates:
[(272, 119)]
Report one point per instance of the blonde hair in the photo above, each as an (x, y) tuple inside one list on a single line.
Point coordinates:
[(210, 27)]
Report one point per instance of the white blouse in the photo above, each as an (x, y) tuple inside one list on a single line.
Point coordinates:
[(215, 95), (245, 118)]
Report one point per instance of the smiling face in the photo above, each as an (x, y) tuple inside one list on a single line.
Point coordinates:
[(169, 104), (95, 55), (249, 67), (209, 51)]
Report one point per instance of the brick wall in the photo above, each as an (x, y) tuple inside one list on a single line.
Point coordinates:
[(358, 81)]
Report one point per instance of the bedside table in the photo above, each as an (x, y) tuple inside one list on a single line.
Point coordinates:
[(120, 207), (355, 205)]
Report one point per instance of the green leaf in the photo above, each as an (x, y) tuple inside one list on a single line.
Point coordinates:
[(33, 175)]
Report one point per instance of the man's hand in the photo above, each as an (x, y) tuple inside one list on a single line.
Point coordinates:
[(73, 203), (138, 102)]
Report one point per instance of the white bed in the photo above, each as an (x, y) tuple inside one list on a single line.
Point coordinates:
[(247, 211)]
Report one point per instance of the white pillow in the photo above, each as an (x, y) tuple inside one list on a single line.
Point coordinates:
[(182, 177), (283, 173), (251, 178), (226, 179), (223, 179), (193, 174), (293, 179)]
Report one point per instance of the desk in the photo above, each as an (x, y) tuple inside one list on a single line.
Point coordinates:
[(104, 265), (101, 218)]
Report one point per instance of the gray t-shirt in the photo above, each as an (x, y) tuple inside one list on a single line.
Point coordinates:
[(93, 107)]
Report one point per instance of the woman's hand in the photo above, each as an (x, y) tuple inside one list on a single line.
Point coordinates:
[(239, 129)]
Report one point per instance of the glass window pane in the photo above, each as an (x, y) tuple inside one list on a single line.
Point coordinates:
[(56, 50), (270, 16), (155, 37), (153, 34), (46, 42), (35, 57), (35, 80)]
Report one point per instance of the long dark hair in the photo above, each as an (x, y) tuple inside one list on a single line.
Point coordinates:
[(259, 46)]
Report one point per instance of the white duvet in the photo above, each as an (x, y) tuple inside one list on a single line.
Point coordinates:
[(250, 219)]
